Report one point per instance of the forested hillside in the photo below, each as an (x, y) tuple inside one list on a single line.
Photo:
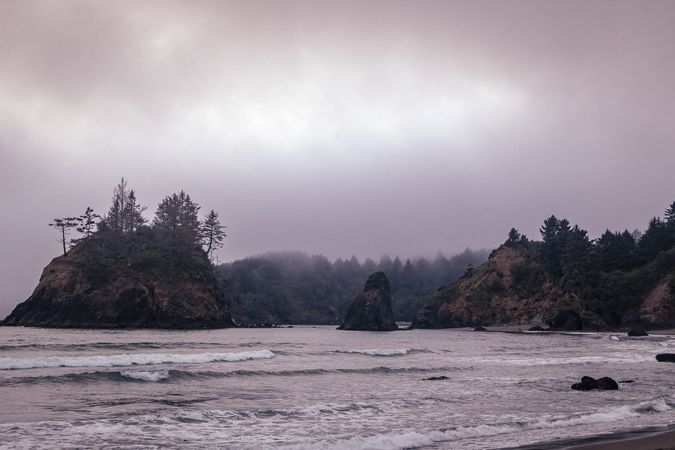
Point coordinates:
[(293, 287), (566, 280)]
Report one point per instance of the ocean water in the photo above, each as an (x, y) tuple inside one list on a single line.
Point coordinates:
[(319, 388)]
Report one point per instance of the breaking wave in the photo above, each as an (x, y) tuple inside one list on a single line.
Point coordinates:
[(196, 422), (175, 375), (131, 359), (381, 351), (152, 376), (415, 439)]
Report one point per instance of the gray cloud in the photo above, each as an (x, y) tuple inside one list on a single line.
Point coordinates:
[(335, 127)]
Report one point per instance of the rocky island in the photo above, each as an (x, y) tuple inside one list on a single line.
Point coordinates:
[(124, 273), (371, 310)]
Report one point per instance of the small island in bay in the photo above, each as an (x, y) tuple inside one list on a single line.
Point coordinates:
[(123, 271)]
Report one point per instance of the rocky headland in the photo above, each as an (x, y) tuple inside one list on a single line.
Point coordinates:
[(514, 287)]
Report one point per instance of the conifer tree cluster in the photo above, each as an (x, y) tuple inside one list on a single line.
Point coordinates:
[(566, 251), (176, 221)]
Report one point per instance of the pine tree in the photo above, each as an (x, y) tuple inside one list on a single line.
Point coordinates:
[(116, 214), (133, 213), (64, 225), (177, 218), (514, 237), (656, 238), (88, 223), (669, 215), (212, 233), (576, 253)]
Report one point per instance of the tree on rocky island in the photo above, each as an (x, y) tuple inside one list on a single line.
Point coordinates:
[(212, 233), (89, 220), (177, 223), (125, 214), (64, 225), (133, 213), (88, 223)]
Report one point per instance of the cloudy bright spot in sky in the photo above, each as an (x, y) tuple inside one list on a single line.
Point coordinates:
[(339, 128)]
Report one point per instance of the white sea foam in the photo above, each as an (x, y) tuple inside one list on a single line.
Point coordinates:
[(129, 359), (152, 376), (413, 439), (196, 424), (381, 351), (619, 358)]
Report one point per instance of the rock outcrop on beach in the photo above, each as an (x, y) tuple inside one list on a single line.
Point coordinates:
[(514, 288), (371, 310), (589, 384), (110, 281)]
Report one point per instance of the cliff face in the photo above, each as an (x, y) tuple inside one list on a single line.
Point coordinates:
[(513, 288), (105, 282)]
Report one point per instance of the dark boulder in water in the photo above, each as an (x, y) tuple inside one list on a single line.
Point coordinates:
[(479, 328), (666, 357), (535, 328), (371, 310), (637, 331), (442, 377), (589, 383)]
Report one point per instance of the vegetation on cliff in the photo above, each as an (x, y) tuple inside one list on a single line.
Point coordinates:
[(567, 280)]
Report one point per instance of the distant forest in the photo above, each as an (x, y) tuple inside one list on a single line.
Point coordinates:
[(293, 287)]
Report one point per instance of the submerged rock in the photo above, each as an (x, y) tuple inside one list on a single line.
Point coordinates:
[(371, 310), (666, 357), (479, 328), (535, 328), (589, 383), (637, 331), (442, 377)]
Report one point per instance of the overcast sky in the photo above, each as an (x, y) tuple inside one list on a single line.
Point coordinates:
[(335, 127)]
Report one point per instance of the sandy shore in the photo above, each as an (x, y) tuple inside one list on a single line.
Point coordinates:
[(659, 441), (525, 327)]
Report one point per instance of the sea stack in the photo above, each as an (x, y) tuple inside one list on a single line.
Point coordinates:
[(109, 281), (371, 310)]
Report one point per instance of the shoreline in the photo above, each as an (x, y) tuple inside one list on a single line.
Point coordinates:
[(662, 440)]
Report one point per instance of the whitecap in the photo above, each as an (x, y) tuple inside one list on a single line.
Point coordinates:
[(129, 359), (380, 351), (414, 439), (152, 376)]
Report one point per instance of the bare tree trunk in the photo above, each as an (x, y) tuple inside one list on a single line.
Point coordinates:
[(63, 239)]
